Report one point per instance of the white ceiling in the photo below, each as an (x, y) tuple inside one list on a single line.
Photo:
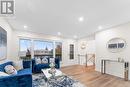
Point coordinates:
[(52, 16)]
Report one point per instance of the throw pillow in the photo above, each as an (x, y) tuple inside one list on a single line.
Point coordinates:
[(18, 65), (52, 60), (9, 69), (44, 60), (38, 60), (3, 74)]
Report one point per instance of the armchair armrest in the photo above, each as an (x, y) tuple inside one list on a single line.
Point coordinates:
[(24, 80)]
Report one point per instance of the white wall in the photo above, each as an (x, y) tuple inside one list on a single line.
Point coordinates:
[(90, 48), (4, 24), (65, 55), (66, 60), (122, 31)]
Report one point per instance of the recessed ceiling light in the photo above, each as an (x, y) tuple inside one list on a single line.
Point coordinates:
[(100, 27), (81, 19), (75, 36), (59, 33), (25, 26)]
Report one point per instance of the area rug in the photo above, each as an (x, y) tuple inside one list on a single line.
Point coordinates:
[(39, 80)]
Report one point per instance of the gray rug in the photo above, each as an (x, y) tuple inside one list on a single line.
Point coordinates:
[(40, 81)]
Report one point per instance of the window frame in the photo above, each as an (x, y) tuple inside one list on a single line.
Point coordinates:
[(20, 45), (61, 49), (44, 40), (71, 51)]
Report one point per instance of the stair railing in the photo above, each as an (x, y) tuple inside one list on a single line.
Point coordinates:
[(88, 58)]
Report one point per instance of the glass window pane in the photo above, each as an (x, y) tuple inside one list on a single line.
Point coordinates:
[(71, 51), (25, 48), (43, 48), (58, 50)]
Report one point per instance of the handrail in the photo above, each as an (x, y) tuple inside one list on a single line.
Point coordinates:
[(81, 55), (88, 59), (91, 59)]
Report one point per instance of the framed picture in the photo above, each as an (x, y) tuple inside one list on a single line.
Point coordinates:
[(3, 44), (116, 45)]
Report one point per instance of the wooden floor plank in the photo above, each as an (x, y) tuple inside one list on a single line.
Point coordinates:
[(92, 78)]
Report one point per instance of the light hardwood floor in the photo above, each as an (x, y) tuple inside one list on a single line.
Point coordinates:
[(91, 78)]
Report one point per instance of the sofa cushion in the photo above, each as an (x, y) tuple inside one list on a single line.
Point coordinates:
[(44, 60), (38, 60), (52, 60), (2, 66), (3, 74), (25, 71), (18, 65), (42, 65), (38, 67)]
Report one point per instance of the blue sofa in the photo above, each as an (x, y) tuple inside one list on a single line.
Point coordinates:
[(22, 79), (36, 68)]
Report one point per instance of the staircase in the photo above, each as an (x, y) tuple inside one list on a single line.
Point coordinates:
[(90, 58)]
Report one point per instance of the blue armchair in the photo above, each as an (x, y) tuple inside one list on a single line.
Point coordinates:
[(36, 68), (22, 79)]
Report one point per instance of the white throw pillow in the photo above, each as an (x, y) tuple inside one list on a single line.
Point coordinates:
[(3, 74), (38, 60), (44, 60), (18, 65), (52, 60), (9, 69)]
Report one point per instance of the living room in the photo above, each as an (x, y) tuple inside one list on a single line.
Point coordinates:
[(65, 44)]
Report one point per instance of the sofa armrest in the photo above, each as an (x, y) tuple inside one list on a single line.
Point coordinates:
[(57, 62), (24, 80), (27, 64), (33, 65)]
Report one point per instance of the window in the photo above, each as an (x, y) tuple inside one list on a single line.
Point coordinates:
[(25, 48), (40, 48), (71, 51), (43, 48), (58, 50)]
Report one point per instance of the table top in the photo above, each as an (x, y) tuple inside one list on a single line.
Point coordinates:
[(116, 61), (48, 75)]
